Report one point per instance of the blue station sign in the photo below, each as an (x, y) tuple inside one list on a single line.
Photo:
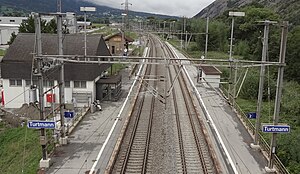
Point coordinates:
[(251, 115), (276, 128), (69, 114), (37, 124)]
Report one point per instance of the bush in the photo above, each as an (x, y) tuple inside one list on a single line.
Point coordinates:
[(251, 85)]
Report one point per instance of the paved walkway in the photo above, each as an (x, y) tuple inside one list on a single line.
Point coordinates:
[(234, 135), (87, 139)]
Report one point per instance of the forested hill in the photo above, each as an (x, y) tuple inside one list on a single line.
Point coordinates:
[(287, 9), (24, 7)]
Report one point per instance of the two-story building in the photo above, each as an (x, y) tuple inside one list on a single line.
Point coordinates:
[(80, 78), (117, 43)]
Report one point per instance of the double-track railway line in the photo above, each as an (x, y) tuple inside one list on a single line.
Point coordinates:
[(140, 150)]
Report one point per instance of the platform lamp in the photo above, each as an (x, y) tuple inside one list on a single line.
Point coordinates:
[(232, 14), (86, 9)]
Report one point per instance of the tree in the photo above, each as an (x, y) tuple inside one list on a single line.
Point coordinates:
[(51, 27), (12, 38), (293, 55), (28, 26), (248, 29), (218, 34)]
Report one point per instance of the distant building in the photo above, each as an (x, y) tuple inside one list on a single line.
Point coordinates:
[(210, 75), (69, 21), (117, 43), (80, 25), (8, 25), (80, 79)]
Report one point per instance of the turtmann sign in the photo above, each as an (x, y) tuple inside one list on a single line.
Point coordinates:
[(276, 128), (37, 124)]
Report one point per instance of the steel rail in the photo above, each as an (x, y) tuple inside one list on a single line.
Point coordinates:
[(191, 109), (179, 133), (135, 130)]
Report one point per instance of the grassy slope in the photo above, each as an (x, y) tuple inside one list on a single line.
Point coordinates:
[(2, 52), (13, 158)]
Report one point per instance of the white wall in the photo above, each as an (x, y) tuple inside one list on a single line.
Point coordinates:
[(12, 20), (11, 93), (5, 34), (213, 80), (20, 95)]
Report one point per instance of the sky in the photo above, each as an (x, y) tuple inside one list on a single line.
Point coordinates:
[(187, 8)]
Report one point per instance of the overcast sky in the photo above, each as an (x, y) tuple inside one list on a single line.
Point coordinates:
[(187, 8)]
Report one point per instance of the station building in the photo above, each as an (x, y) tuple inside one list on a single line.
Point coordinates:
[(82, 80), (117, 43)]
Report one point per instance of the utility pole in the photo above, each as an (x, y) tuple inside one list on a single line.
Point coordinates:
[(43, 137), (63, 138), (261, 81), (230, 59), (164, 29), (278, 91), (126, 4), (85, 52), (58, 5), (230, 95), (86, 9), (185, 31), (206, 37)]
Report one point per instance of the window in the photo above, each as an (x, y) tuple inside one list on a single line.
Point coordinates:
[(14, 82), (28, 83), (11, 20), (48, 83), (67, 84), (79, 84), (113, 49)]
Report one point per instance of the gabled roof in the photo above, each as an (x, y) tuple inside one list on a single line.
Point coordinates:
[(73, 44), (210, 70), (127, 38), (17, 63)]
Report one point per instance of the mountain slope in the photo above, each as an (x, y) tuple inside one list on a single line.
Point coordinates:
[(288, 9), (46, 6)]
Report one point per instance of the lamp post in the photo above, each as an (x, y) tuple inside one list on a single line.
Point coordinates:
[(86, 9), (232, 14)]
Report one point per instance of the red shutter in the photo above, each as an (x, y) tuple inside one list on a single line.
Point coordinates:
[(50, 98)]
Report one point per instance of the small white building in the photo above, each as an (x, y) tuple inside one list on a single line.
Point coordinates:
[(80, 79), (8, 25), (210, 75), (12, 20)]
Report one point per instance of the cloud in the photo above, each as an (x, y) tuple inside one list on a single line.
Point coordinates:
[(187, 8)]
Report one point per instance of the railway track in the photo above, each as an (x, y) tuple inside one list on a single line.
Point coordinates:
[(140, 151), (134, 155), (195, 152)]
